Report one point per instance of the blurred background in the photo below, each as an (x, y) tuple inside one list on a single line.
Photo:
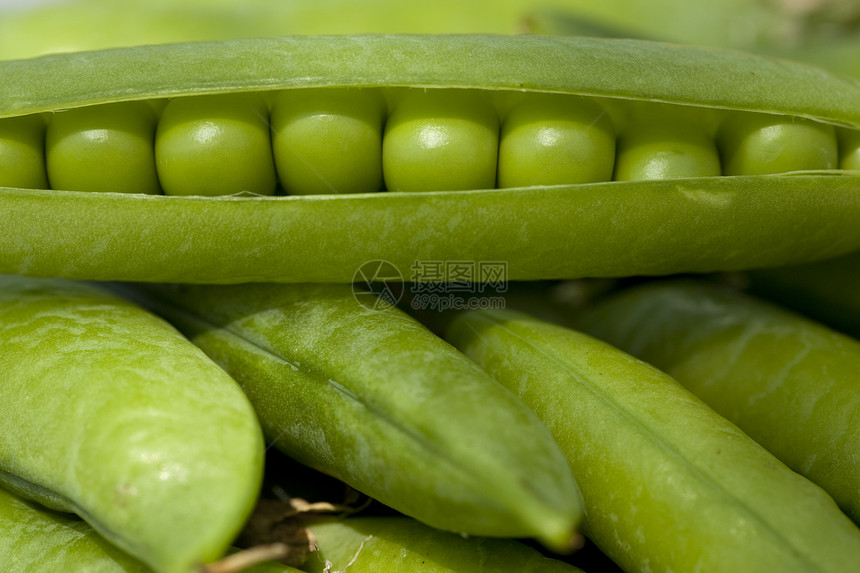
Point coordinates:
[(820, 31)]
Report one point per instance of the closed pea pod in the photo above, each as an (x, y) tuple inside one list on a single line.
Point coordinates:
[(376, 400), (694, 224), (109, 413), (35, 539), (668, 484), (402, 545), (790, 384)]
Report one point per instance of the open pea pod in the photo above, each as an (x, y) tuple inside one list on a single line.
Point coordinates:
[(559, 215), (108, 412)]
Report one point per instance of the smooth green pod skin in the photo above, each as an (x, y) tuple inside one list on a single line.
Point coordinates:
[(22, 156), (549, 140), (376, 400), (827, 291), (34, 539), (704, 225), (757, 144), (787, 382), (108, 412), (441, 141), (103, 149), (590, 230), (403, 545), (664, 150), (216, 145), (668, 484), (328, 140)]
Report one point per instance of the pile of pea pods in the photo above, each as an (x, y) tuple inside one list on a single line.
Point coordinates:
[(473, 302)]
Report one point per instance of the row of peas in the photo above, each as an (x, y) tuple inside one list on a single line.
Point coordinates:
[(351, 140)]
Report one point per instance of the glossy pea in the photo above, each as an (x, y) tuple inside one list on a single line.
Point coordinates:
[(787, 382), (555, 139), (22, 156), (758, 144), (849, 148), (666, 142), (668, 484), (215, 145), (378, 401), (108, 412), (402, 545), (108, 148), (441, 141), (328, 140)]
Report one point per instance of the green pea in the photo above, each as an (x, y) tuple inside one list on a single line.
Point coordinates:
[(555, 139), (665, 149), (758, 144), (22, 159), (441, 140), (787, 382), (108, 412), (376, 400), (215, 145), (328, 140), (849, 148), (401, 545), (668, 484), (104, 148)]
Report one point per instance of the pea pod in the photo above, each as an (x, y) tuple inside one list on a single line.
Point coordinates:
[(109, 413), (789, 383), (545, 231), (376, 400), (35, 539), (402, 545), (668, 484)]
